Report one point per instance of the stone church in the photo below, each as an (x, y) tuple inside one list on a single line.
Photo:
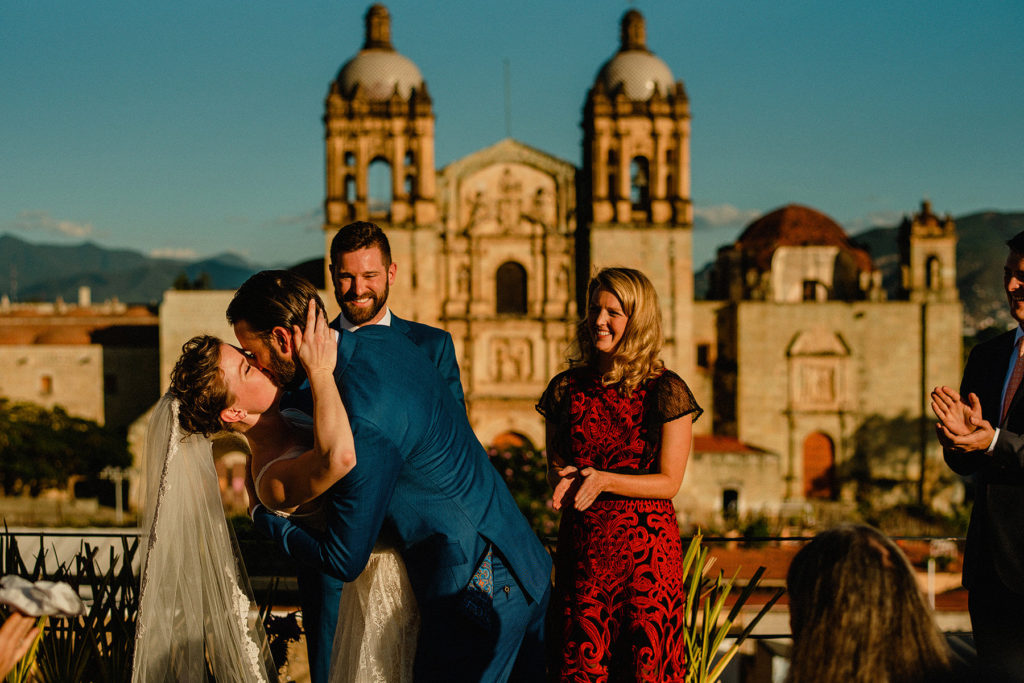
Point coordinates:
[(806, 370), (496, 247)]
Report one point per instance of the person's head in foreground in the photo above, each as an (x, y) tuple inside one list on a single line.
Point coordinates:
[(857, 614), (621, 335), (263, 312), (218, 387)]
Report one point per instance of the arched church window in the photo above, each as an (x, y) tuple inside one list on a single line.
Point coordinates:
[(511, 289), (731, 504), (613, 175), (380, 187), (933, 273), (350, 159), (640, 184), (350, 188), (410, 159), (410, 186), (670, 178), (815, 291)]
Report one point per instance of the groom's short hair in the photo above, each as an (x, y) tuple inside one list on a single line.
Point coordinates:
[(273, 298)]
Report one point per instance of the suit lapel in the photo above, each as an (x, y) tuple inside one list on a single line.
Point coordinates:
[(399, 324)]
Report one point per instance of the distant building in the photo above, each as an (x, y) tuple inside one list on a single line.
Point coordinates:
[(97, 361), (798, 355)]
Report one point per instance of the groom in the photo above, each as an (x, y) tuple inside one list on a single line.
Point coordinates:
[(480, 576)]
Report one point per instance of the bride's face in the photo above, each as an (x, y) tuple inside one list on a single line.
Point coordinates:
[(250, 389)]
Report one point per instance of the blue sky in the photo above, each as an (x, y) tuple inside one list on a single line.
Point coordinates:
[(193, 128)]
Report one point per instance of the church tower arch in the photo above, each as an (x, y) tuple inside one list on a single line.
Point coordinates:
[(511, 289)]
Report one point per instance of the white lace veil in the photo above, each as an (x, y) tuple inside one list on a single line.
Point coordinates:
[(195, 604)]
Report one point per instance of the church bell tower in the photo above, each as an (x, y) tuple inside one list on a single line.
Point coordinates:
[(635, 190)]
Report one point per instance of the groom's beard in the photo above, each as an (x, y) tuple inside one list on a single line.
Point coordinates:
[(359, 315), (285, 372)]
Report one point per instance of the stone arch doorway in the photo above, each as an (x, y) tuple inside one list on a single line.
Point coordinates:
[(819, 467)]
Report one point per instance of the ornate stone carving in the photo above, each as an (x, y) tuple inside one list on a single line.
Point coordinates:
[(512, 359)]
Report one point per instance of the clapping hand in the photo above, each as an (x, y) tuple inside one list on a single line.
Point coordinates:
[(316, 347), (578, 487), (16, 637), (565, 490), (961, 426)]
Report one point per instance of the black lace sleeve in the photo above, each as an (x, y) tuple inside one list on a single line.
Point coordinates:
[(675, 398), (552, 403)]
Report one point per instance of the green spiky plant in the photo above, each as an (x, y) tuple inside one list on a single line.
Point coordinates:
[(706, 629)]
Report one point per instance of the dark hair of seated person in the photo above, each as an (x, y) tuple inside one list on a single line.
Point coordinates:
[(857, 614)]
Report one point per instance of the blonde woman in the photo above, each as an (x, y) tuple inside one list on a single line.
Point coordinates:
[(618, 438)]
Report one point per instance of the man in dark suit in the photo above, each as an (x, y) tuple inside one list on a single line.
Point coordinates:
[(981, 429), (422, 474), (362, 273)]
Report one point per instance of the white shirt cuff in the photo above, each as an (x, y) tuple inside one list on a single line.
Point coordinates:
[(995, 437)]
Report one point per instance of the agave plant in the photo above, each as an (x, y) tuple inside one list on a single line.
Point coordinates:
[(706, 629)]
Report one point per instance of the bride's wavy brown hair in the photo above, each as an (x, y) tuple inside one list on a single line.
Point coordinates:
[(636, 357), (199, 386)]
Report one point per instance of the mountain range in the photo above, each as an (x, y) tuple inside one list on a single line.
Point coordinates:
[(43, 272)]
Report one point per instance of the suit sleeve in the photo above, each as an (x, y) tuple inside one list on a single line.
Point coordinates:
[(355, 508), (448, 366)]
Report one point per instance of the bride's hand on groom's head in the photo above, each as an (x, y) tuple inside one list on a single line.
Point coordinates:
[(315, 346)]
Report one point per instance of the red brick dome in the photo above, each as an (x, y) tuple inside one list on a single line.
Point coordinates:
[(796, 226)]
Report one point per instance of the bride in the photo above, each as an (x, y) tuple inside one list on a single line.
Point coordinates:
[(195, 605)]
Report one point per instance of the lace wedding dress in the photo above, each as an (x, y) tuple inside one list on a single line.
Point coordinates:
[(378, 620)]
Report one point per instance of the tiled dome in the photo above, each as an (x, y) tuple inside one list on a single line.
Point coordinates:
[(639, 72), (378, 67), (797, 226), (380, 72), (635, 67)]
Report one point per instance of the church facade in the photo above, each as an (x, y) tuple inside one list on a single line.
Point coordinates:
[(497, 247)]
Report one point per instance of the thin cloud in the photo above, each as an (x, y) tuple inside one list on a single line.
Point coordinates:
[(875, 219), (723, 216), (307, 220), (42, 221), (174, 253)]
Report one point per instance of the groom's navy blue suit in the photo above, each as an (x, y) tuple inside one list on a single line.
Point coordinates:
[(423, 475), (319, 592)]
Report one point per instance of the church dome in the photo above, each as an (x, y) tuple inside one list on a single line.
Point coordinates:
[(378, 68), (638, 70), (796, 226)]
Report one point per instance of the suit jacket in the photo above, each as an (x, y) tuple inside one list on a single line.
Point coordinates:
[(420, 473), (434, 342), (995, 536)]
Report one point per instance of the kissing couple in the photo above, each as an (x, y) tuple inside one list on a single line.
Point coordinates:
[(364, 469)]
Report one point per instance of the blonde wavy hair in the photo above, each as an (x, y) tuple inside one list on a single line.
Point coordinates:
[(636, 358)]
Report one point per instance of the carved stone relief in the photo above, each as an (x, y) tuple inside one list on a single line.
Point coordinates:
[(512, 359)]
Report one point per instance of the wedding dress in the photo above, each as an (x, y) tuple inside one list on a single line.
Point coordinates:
[(378, 620), (195, 604)]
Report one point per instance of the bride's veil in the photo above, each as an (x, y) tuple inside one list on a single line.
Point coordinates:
[(195, 604)]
